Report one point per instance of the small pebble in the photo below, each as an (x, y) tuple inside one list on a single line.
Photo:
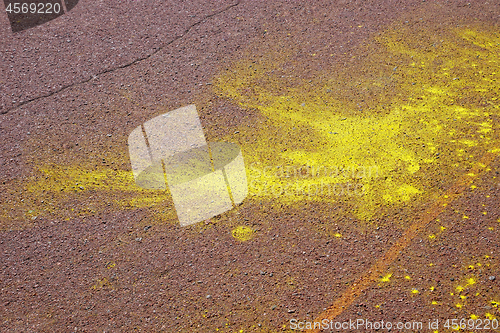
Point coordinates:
[(138, 239), (492, 278), (209, 296)]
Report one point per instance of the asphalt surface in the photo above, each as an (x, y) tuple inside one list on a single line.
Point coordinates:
[(408, 88)]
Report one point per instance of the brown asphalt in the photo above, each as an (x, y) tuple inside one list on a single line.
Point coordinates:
[(72, 89)]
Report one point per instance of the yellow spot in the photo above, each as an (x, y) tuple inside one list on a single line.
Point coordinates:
[(443, 228), (491, 228), (489, 316), (432, 288), (377, 306), (473, 316), (386, 278), (465, 217), (463, 297), (485, 213), (494, 304), (431, 264), (471, 281), (243, 233), (338, 235), (434, 303), (344, 116), (407, 277), (473, 187), (414, 291), (110, 265), (432, 236), (458, 305), (460, 288)]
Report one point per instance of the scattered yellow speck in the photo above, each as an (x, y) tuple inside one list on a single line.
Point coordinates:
[(491, 228), (431, 264), (465, 217), (432, 236), (473, 187), (386, 278), (463, 297), (377, 306), (484, 213), (434, 303), (460, 288), (407, 277), (452, 294), (432, 288), (443, 228), (338, 235), (494, 304), (414, 291), (473, 316), (471, 174), (458, 305), (243, 233)]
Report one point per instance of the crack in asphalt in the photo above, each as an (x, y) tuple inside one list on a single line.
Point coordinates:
[(94, 76)]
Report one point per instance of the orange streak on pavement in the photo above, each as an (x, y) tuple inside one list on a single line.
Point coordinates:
[(381, 265)]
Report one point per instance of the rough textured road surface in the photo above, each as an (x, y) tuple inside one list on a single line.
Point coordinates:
[(370, 133)]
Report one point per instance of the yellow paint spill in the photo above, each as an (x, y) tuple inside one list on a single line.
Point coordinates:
[(101, 283), (400, 119), (243, 233)]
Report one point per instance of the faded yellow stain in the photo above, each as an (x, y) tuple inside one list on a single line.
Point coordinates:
[(102, 283)]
